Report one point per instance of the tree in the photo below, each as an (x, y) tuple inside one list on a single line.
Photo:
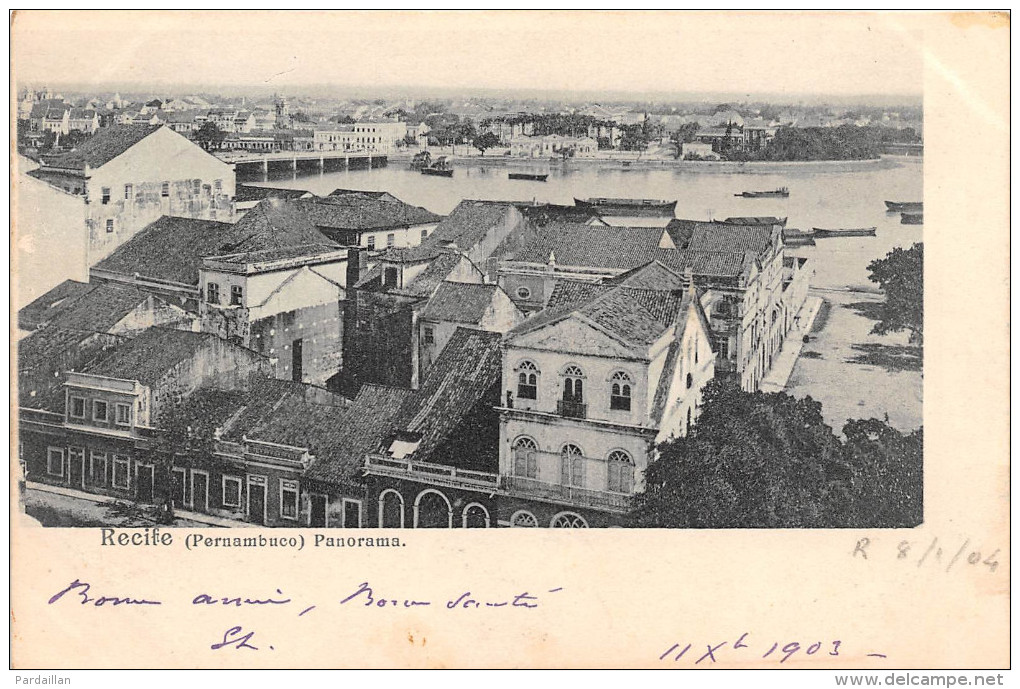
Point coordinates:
[(209, 136), (755, 460), (300, 116), (901, 276), (486, 141), (752, 460)]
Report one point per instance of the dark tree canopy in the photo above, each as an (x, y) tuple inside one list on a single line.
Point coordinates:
[(209, 136), (486, 141), (901, 276), (756, 460)]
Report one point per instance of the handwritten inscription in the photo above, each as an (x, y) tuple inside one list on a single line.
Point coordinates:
[(944, 555), (746, 649), (80, 591)]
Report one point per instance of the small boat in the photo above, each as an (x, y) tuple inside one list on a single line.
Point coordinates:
[(421, 160), (821, 233), (782, 192), (793, 237), (534, 177), (440, 168), (628, 207), (911, 218), (904, 206), (756, 220)]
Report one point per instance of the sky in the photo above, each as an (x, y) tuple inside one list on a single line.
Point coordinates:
[(643, 52)]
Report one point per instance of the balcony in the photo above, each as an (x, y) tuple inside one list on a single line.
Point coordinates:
[(566, 495), (574, 410), (434, 474)]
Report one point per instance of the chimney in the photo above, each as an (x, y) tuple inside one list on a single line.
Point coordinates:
[(354, 260)]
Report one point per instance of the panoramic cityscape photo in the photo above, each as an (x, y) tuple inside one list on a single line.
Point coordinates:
[(346, 301)]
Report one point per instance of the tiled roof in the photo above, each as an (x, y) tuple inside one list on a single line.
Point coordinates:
[(360, 212), (544, 213), (705, 263), (44, 355), (273, 224), (43, 309), (102, 147), (467, 225), (355, 432), (100, 309), (437, 271), (170, 249), (249, 192), (574, 293), (592, 246), (371, 194), (653, 276), (732, 238), (460, 302), (148, 357), (467, 373)]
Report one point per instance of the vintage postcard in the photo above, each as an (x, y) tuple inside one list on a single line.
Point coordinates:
[(510, 339)]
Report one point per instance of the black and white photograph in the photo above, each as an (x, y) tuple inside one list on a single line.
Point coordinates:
[(367, 273)]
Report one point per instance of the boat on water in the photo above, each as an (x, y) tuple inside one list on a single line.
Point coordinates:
[(756, 220), (911, 218), (781, 192), (440, 168), (533, 176), (608, 206), (793, 237), (904, 206), (822, 233)]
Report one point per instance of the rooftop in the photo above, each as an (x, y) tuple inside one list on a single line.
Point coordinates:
[(249, 192), (592, 246), (149, 357), (460, 302), (44, 308), (354, 211), (102, 147)]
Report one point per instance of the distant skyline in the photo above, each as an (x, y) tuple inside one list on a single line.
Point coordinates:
[(788, 57)]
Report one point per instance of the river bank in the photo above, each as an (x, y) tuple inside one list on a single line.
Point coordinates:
[(618, 162)]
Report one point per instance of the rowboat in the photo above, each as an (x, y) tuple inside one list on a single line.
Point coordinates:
[(904, 206), (607, 206), (782, 192), (821, 233), (756, 220), (793, 237), (911, 218), (534, 177), (440, 168)]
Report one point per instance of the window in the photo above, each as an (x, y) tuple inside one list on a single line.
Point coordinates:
[(523, 520), (371, 242), (123, 414), (619, 391), (390, 277), (121, 475), (212, 293), (218, 185), (352, 514), (109, 226), (723, 345), (429, 335), (288, 499), (424, 234), (236, 295), (231, 491), (690, 381), (128, 189), (206, 189), (525, 458), (97, 468), (573, 390), (106, 195), (99, 410), (164, 190), (196, 185), (391, 239), (621, 472), (569, 520), (527, 381), (523, 292), (78, 407), (572, 466), (55, 461)]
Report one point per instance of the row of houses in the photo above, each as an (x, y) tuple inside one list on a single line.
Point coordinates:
[(353, 361)]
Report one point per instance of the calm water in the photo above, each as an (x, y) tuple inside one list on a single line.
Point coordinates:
[(818, 198)]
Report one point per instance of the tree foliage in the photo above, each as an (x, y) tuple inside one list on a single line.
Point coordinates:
[(486, 141), (209, 136), (901, 276), (756, 460)]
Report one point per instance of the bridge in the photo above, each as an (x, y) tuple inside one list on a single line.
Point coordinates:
[(257, 165)]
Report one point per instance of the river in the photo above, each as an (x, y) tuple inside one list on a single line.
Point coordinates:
[(826, 195)]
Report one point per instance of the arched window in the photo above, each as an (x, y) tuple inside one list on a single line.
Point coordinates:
[(476, 516), (391, 510), (432, 510), (525, 459), (690, 381), (573, 384), (572, 466), (568, 520), (527, 381), (621, 472), (688, 419), (523, 520), (619, 391)]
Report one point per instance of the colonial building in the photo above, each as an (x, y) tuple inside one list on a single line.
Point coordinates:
[(553, 145), (591, 385), (369, 220), (126, 177), (368, 135)]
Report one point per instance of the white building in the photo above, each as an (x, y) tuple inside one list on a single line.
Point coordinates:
[(553, 145)]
